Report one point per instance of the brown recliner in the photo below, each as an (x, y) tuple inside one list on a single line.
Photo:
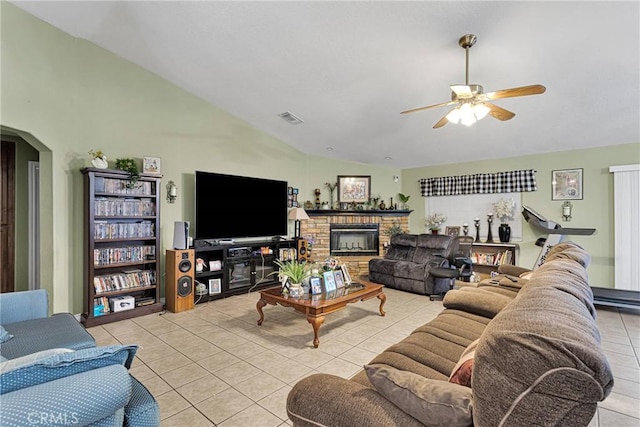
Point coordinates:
[(407, 263)]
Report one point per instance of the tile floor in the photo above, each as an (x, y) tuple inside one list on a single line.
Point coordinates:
[(214, 366)]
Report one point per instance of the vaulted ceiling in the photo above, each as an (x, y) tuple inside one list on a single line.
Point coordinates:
[(347, 69)]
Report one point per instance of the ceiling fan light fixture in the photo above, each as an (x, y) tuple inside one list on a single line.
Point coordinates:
[(467, 114)]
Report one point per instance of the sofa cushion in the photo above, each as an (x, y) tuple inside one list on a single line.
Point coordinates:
[(461, 373), (30, 359), (66, 364), (4, 335), (480, 301), (432, 402), (58, 331)]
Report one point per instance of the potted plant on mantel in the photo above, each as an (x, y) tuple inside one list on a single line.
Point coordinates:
[(434, 222), (293, 273)]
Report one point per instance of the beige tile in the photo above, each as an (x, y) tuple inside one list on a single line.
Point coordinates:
[(200, 350), (340, 367), (237, 372), (265, 359), (255, 415), (150, 353), (218, 361), (141, 372), (259, 386), (189, 417), (247, 350), (224, 405), (169, 363), (171, 403), (288, 371), (358, 356), (276, 402), (608, 418), (156, 385), (184, 375), (622, 404), (313, 358), (177, 338), (202, 388)]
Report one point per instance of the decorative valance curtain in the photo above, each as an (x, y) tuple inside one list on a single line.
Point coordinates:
[(480, 183)]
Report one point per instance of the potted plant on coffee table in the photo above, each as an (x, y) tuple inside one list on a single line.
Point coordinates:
[(294, 272)]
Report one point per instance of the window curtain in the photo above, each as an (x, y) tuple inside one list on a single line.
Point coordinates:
[(480, 183)]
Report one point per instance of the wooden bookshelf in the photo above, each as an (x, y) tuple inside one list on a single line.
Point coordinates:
[(487, 257)]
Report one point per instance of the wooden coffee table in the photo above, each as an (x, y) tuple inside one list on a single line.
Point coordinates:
[(316, 307)]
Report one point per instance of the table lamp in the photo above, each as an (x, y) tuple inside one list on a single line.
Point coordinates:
[(297, 214)]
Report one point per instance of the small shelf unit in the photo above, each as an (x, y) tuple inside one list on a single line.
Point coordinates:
[(487, 257)]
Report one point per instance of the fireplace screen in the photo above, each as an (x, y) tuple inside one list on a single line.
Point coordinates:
[(354, 239)]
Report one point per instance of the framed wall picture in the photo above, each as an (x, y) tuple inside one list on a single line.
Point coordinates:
[(452, 230), (215, 286), (151, 165), (329, 281), (566, 184), (356, 189)]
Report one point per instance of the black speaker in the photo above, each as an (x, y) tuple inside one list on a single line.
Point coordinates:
[(302, 247), (179, 280)]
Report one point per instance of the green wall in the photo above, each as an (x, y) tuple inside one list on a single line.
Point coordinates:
[(65, 96), (594, 211)]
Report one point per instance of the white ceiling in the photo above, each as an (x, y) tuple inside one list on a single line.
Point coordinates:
[(348, 68)]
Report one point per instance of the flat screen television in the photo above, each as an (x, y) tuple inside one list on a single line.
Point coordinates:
[(231, 206)]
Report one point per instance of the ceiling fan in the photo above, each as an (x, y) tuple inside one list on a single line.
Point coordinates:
[(472, 104)]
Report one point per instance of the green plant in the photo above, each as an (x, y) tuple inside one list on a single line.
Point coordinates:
[(404, 200), (394, 228), (294, 270), (129, 165)]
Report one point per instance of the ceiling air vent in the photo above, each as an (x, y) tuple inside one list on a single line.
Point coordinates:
[(290, 118)]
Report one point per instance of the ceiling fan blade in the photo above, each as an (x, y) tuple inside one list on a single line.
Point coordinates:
[(443, 121), (463, 91), (516, 91), (499, 112), (427, 107)]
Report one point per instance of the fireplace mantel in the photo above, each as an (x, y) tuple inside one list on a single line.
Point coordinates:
[(337, 212)]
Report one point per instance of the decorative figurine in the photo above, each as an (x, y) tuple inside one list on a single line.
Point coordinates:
[(465, 229), (476, 222), (489, 221)]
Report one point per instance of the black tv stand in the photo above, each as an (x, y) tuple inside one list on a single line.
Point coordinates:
[(238, 266)]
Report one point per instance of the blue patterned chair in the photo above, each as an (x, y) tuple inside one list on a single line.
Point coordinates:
[(52, 373)]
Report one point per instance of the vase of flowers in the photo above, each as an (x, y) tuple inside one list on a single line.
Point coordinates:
[(99, 159), (434, 222), (504, 212)]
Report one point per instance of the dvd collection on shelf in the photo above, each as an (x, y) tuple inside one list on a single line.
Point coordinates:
[(127, 254), (124, 207), (105, 230), (125, 280), (119, 186)]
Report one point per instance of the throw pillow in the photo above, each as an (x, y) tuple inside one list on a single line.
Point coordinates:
[(30, 359), (461, 373), (4, 335), (66, 364), (432, 402)]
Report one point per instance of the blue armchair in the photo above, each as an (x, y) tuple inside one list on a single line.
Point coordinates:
[(52, 373)]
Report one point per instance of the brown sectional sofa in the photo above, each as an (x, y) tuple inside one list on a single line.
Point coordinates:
[(537, 361)]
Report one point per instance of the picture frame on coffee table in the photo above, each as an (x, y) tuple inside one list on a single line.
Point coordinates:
[(329, 281), (345, 274), (316, 285), (337, 274)]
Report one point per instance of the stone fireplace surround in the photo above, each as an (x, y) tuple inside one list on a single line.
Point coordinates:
[(317, 229)]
